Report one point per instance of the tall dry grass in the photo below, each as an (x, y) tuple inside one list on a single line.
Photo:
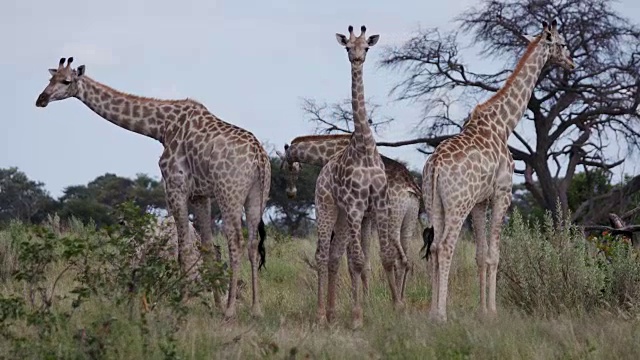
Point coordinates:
[(558, 299)]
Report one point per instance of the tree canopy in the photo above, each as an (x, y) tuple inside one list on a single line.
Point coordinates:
[(578, 117)]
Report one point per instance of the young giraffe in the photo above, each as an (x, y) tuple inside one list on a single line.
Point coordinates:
[(203, 157), (403, 193), (351, 183), (473, 169)]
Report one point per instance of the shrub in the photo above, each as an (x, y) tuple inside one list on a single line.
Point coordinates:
[(88, 277), (548, 269)]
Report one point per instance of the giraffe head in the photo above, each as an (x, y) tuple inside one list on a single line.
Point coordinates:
[(293, 172), (559, 54), (357, 46), (63, 83)]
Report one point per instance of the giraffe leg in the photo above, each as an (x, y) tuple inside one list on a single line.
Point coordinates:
[(326, 215), (499, 208), (337, 248), (366, 235), (444, 252), (395, 227), (389, 252), (202, 212), (233, 230), (407, 232), (253, 211), (479, 217), (349, 234), (176, 194)]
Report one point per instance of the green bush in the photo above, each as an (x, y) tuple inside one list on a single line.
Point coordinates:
[(95, 280), (549, 269)]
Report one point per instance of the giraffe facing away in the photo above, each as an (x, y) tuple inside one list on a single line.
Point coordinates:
[(404, 194), (350, 184), (203, 157), (473, 170)]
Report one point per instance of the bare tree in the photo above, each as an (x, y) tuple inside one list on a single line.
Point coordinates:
[(577, 116), (338, 117)]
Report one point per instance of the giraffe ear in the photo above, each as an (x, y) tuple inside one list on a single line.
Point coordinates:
[(529, 38), (372, 40), (342, 40), (80, 70), (53, 71)]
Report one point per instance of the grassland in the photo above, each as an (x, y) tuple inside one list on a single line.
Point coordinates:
[(570, 326)]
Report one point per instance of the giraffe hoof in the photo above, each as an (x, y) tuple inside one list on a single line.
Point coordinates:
[(437, 317), (399, 306), (229, 315), (330, 316), (257, 313), (321, 320), (356, 324), (491, 314), (482, 312), (357, 321)]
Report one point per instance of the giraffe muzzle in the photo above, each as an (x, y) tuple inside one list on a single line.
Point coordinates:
[(43, 100)]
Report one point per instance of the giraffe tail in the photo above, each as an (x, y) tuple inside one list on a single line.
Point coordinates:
[(261, 249), (265, 180), (428, 234), (427, 238)]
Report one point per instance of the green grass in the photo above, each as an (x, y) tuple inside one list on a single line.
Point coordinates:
[(288, 294)]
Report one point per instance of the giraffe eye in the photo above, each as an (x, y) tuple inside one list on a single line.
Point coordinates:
[(366, 49), (66, 82)]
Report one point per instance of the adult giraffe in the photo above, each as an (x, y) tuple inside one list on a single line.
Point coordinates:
[(203, 157), (350, 184), (474, 168), (404, 194)]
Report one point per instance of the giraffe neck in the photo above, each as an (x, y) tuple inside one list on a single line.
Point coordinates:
[(316, 150), (508, 105), (363, 136), (141, 115)]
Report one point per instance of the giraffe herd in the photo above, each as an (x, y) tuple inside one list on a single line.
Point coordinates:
[(357, 190)]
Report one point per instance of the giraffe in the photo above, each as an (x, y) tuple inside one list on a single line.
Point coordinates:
[(404, 193), (473, 170), (203, 157), (351, 183)]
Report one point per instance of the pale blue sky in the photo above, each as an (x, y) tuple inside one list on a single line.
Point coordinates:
[(250, 63)]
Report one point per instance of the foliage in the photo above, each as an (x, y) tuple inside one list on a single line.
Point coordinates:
[(110, 320), (59, 280), (26, 200), (97, 200), (22, 198), (549, 268)]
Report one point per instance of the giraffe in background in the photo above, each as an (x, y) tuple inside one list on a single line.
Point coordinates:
[(350, 184), (203, 157), (404, 194), (474, 169)]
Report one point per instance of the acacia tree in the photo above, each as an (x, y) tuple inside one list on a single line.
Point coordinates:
[(577, 116)]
